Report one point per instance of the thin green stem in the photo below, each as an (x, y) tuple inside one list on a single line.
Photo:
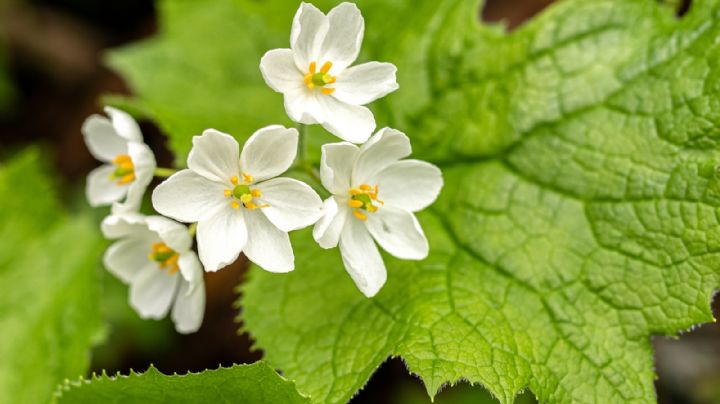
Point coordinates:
[(192, 229), (312, 172), (302, 155), (164, 172)]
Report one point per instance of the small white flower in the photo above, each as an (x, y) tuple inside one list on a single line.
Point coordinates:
[(374, 195), (238, 204), (150, 254), (130, 163), (314, 76)]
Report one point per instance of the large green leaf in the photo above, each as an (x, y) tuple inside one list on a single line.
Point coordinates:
[(579, 215), (256, 383), (49, 293)]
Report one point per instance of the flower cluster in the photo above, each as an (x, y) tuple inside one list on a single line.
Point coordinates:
[(236, 199)]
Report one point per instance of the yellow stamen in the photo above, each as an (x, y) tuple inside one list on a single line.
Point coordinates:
[(124, 170), (126, 179), (165, 257), (246, 199), (172, 263), (234, 180), (325, 68), (122, 158), (243, 196), (360, 215), (314, 79), (247, 178), (362, 200)]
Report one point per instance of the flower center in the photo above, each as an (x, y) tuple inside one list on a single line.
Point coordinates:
[(124, 170), (363, 199), (242, 194), (315, 79), (166, 257)]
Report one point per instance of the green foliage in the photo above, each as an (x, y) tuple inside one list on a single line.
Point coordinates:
[(580, 156), (256, 383), (49, 292)]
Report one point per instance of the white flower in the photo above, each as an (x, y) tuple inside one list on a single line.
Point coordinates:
[(154, 256), (130, 164), (374, 195), (314, 76), (238, 204)]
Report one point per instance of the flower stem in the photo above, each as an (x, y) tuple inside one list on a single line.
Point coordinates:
[(164, 172), (302, 157), (192, 229), (312, 172)]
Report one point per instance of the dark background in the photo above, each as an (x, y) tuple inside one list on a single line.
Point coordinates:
[(54, 51)]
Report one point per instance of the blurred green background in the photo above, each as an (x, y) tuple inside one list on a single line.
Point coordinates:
[(52, 76)]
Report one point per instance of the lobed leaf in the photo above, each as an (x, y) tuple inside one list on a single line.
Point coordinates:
[(256, 383)]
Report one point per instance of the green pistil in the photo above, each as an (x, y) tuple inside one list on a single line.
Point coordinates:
[(318, 79), (121, 172), (162, 256), (367, 202), (240, 190)]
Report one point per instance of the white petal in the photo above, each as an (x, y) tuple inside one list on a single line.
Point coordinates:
[(127, 257), (267, 246), (409, 184), (348, 122), (124, 124), (102, 140), (152, 291), (215, 156), (122, 225), (302, 106), (172, 233), (365, 83), (309, 28), (361, 258), (101, 189), (336, 163), (279, 71), (269, 152), (220, 238), (384, 148), (189, 308), (144, 162), (188, 197), (344, 37), (398, 232), (293, 204), (327, 231), (190, 267)]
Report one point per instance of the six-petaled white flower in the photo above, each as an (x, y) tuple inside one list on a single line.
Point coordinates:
[(238, 204), (130, 163), (154, 256), (374, 196), (314, 76)]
